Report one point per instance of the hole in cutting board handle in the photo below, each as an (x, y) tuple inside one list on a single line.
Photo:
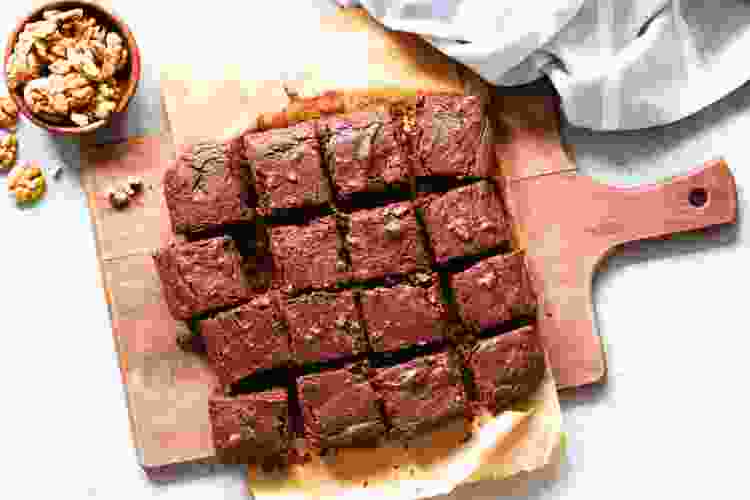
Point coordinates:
[(698, 197)]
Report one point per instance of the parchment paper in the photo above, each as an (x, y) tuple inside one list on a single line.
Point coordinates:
[(512, 444)]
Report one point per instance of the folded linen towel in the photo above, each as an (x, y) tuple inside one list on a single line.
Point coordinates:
[(617, 64)]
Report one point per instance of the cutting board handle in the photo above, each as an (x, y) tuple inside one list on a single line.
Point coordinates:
[(570, 223), (704, 197)]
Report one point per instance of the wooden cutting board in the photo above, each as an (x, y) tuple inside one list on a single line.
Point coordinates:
[(567, 223)]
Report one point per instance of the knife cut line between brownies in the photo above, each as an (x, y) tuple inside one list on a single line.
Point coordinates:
[(352, 275)]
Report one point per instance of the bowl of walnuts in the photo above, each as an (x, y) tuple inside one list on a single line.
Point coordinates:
[(70, 66)]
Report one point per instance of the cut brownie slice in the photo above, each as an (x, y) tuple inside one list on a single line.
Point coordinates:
[(250, 427), (385, 242), (448, 137), (340, 408), (421, 393), (404, 316), (310, 256), (287, 169), (465, 221), (207, 187), (324, 326), (493, 291), (364, 153), (246, 339), (200, 277), (507, 368)]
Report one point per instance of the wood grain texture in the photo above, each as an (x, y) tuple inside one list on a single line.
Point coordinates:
[(569, 223), (345, 51)]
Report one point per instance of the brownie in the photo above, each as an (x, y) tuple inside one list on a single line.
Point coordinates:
[(448, 137), (421, 393), (207, 187), (250, 428), (287, 168), (385, 241), (465, 221), (493, 291), (310, 256), (340, 408), (404, 316), (246, 339), (324, 326), (507, 368), (365, 153), (201, 276)]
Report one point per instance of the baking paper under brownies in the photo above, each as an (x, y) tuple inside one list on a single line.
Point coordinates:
[(353, 278)]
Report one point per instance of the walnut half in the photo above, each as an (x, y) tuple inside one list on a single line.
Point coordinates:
[(8, 113), (26, 183), (8, 149)]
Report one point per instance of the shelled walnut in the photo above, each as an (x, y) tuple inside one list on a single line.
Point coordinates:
[(26, 183), (81, 59), (8, 149), (8, 113)]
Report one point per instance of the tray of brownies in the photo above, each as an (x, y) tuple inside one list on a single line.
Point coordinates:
[(364, 276), (297, 286), (353, 277)]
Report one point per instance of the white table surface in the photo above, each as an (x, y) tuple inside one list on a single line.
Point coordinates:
[(669, 422)]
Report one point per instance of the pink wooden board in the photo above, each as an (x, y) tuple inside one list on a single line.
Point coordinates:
[(569, 224), (166, 388)]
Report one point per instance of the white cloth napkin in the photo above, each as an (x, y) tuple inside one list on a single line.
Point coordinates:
[(617, 64)]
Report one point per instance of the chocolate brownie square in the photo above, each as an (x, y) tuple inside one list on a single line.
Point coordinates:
[(324, 326), (507, 368), (340, 408), (202, 276), (310, 256), (465, 221), (404, 316), (493, 291), (448, 137), (246, 339), (207, 187), (250, 428), (385, 241), (287, 168), (421, 393), (364, 152)]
